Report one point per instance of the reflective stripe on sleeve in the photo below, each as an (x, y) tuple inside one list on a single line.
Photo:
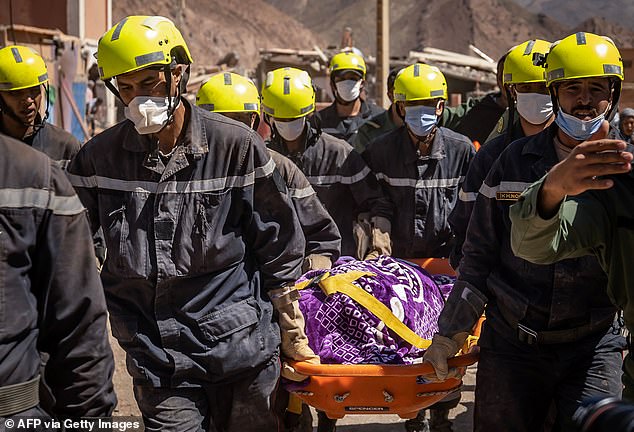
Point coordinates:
[(265, 170), (324, 180), (39, 198), (301, 193), (467, 196)]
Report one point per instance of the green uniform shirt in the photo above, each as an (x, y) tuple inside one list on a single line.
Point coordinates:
[(373, 128), (595, 222), (503, 124)]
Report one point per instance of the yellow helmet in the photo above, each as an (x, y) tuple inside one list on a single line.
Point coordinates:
[(347, 61), (288, 93), (21, 67), (420, 82), (137, 42), (229, 92), (583, 55), (518, 65)]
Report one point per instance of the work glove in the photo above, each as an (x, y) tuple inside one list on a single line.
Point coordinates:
[(380, 241), (362, 232), (316, 262), (291, 374), (441, 349), (291, 321)]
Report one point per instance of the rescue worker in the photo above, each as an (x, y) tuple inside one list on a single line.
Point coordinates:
[(548, 335), (231, 95), (388, 120), (237, 97), (343, 118), (483, 113), (202, 238), (626, 124), (583, 205), (23, 78), (530, 103), (51, 299), (420, 167), (380, 123), (342, 180)]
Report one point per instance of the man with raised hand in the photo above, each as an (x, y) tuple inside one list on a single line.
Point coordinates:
[(549, 328)]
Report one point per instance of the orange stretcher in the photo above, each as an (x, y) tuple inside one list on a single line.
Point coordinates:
[(339, 390), (434, 265)]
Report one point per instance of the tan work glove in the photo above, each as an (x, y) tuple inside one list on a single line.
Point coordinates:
[(441, 349), (291, 321), (381, 243), (316, 262), (290, 373), (362, 233)]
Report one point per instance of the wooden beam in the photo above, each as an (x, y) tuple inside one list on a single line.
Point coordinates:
[(382, 50)]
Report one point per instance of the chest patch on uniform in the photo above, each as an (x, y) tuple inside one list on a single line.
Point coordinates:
[(500, 125), (508, 196)]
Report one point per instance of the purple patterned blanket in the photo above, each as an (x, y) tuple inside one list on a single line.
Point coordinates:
[(343, 332)]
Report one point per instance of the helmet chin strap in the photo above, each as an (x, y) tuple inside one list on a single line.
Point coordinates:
[(275, 136), (167, 70), (35, 124), (512, 106), (47, 91), (256, 122)]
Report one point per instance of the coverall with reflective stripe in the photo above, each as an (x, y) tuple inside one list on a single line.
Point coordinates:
[(581, 359), (320, 232), (422, 190), (51, 299), (194, 245), (342, 180)]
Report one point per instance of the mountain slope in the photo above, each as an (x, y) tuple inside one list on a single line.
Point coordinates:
[(573, 13), (622, 37), (491, 25), (212, 28)]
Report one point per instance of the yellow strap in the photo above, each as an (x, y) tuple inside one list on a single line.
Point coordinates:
[(300, 286), (343, 283)]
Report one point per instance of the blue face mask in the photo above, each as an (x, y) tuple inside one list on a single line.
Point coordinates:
[(420, 119), (578, 129)]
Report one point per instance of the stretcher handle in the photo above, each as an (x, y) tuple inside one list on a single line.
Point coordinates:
[(370, 370), (434, 265)]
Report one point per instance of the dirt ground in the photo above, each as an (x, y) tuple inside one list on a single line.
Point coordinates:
[(462, 415), (126, 405)]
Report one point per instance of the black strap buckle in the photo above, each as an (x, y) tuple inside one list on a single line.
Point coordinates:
[(526, 335)]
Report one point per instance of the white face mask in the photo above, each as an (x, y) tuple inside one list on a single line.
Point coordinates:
[(579, 129), (149, 114), (290, 130), (349, 90), (535, 108)]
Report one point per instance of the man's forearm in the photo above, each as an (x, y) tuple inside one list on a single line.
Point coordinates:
[(549, 200)]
